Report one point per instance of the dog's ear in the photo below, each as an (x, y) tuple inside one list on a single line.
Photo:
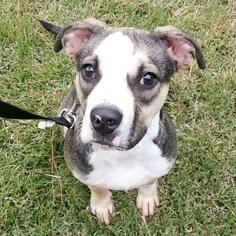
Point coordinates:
[(181, 48), (73, 36), (54, 29)]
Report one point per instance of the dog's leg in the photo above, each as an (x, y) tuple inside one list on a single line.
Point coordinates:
[(147, 199), (101, 204)]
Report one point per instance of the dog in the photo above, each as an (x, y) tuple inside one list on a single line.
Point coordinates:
[(121, 138)]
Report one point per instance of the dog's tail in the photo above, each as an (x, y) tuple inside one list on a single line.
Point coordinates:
[(55, 29)]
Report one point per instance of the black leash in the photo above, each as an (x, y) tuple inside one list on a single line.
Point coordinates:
[(9, 111)]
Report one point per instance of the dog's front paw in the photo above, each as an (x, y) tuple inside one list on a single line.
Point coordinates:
[(101, 206), (147, 204), (147, 200)]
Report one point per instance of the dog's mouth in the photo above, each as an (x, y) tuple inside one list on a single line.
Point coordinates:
[(113, 145), (113, 142), (107, 145)]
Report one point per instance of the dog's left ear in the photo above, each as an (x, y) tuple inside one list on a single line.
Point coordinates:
[(180, 47), (73, 36)]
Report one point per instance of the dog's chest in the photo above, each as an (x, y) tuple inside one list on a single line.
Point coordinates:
[(124, 170), (119, 170)]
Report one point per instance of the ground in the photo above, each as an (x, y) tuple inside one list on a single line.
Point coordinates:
[(39, 196)]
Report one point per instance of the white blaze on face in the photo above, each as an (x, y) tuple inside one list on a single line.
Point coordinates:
[(116, 60)]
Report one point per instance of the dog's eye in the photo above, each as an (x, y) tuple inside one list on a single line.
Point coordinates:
[(88, 71), (149, 80)]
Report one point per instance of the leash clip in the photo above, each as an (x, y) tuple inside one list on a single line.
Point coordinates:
[(69, 116)]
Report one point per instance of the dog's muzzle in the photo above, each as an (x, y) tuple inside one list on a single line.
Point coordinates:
[(105, 120)]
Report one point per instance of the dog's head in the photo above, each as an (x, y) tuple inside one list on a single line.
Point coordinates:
[(123, 76)]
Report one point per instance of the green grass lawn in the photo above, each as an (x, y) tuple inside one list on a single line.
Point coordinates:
[(39, 196)]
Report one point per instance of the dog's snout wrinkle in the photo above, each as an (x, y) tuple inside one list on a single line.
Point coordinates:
[(105, 119)]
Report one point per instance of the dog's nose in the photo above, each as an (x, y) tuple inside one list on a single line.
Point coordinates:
[(105, 119)]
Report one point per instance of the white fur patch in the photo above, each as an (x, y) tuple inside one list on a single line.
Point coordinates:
[(116, 60), (124, 170)]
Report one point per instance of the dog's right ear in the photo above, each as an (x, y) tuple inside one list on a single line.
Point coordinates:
[(55, 29), (73, 36)]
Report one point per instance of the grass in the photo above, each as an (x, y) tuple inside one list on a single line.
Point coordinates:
[(39, 196)]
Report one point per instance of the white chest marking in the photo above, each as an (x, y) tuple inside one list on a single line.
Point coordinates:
[(123, 170)]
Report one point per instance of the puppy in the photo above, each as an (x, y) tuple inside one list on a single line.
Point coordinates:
[(121, 139)]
